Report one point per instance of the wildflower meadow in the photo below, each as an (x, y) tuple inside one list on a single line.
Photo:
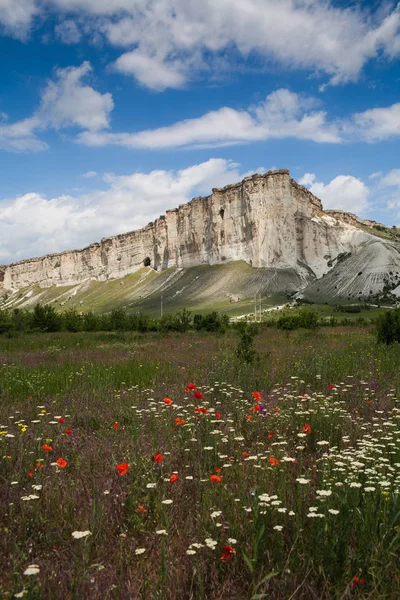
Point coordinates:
[(161, 466)]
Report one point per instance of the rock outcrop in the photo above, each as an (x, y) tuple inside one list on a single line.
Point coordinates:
[(267, 220)]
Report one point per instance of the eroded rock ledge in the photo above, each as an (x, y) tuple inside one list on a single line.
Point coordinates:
[(266, 220)]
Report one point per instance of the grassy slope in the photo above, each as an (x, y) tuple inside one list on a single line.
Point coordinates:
[(200, 289)]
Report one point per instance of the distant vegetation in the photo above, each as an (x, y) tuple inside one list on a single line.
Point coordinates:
[(47, 319), (388, 327)]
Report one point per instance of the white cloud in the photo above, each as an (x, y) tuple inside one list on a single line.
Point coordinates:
[(68, 32), (344, 192), (16, 17), (151, 71), (391, 179), (65, 102), (20, 136), (316, 35), (307, 179), (33, 225), (89, 174), (387, 194), (189, 37), (282, 115), (376, 124)]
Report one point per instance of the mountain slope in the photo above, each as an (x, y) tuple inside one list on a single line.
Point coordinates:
[(265, 234)]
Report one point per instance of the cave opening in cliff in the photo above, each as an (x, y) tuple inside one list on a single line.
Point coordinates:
[(222, 213), (147, 261)]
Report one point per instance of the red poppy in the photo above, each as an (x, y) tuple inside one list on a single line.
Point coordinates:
[(270, 435), (249, 417), (218, 470), (167, 401), (306, 428), (191, 386), (68, 431), (273, 461), (173, 478), (29, 398), (122, 468), (257, 408), (218, 415), (256, 396), (141, 509), (204, 410), (331, 387), (369, 402), (61, 462), (227, 553), (115, 425), (197, 409), (47, 448), (215, 478), (61, 420), (245, 454), (30, 473), (198, 395), (39, 465), (158, 458), (357, 581), (276, 411), (179, 421)]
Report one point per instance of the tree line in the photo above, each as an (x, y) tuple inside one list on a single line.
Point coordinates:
[(45, 318)]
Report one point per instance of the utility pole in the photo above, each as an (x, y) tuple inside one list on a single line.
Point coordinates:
[(161, 307)]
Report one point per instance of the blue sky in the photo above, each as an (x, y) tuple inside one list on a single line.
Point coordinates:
[(112, 111)]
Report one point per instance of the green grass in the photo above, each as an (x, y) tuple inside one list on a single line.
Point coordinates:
[(109, 390)]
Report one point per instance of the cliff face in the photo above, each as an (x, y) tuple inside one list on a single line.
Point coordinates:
[(266, 220)]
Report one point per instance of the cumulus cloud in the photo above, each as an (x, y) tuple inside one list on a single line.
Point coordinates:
[(376, 124), (186, 36), (67, 32), (151, 71), (33, 225), (391, 179), (16, 17), (65, 102), (68, 102), (308, 34), (89, 174), (282, 114), (344, 192)]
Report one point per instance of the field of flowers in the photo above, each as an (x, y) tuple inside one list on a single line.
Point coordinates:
[(163, 468)]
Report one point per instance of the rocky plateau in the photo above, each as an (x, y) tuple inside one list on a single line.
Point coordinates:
[(269, 221)]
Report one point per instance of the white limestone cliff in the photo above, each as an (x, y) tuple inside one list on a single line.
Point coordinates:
[(266, 220)]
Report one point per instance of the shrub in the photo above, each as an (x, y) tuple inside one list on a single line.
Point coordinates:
[(245, 350), (307, 319), (46, 318), (388, 327), (73, 321)]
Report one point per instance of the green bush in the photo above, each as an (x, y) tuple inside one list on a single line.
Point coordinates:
[(73, 321), (388, 327), (46, 318), (245, 350), (307, 319)]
